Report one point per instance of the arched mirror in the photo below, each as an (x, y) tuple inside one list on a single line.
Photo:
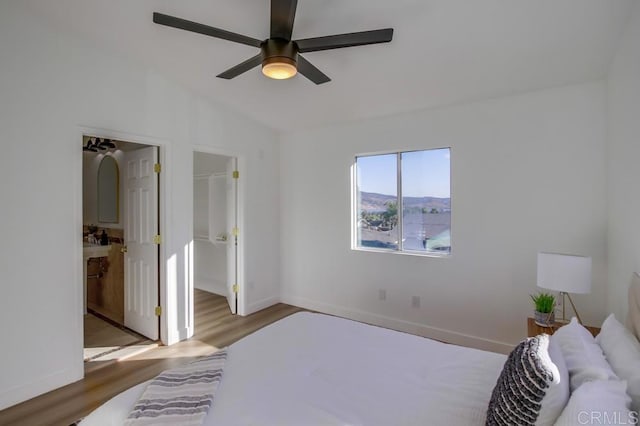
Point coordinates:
[(108, 185)]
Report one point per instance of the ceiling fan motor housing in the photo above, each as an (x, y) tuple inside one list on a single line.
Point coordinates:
[(279, 50)]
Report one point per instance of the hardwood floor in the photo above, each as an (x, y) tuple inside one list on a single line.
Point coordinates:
[(215, 327), (104, 340)]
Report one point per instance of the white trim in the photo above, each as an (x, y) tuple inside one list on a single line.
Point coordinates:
[(241, 163), (242, 292), (165, 159), (261, 304), (435, 333), (164, 147), (123, 136), (78, 260)]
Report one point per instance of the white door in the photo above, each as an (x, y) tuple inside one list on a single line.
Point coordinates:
[(232, 225), (141, 256)]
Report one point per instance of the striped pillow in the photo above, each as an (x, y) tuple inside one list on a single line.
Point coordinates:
[(533, 387)]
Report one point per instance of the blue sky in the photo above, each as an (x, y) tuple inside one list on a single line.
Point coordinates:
[(424, 173)]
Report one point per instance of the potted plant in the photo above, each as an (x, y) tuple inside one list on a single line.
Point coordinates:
[(545, 304)]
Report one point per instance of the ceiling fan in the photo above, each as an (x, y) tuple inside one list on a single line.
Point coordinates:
[(279, 55)]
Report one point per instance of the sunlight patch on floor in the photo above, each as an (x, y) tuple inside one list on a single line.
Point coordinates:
[(119, 353), (103, 341), (185, 349)]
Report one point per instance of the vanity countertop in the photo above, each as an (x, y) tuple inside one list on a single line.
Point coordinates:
[(95, 250)]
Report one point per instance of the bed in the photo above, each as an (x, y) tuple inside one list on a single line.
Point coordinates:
[(315, 369)]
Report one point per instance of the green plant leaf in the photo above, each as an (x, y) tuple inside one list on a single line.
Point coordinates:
[(544, 302)]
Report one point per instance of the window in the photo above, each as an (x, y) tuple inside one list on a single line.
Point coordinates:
[(403, 202)]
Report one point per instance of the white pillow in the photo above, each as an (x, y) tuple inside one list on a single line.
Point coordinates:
[(622, 350), (558, 393), (600, 402), (583, 356)]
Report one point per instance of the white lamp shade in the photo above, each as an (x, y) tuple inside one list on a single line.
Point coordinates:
[(564, 272)]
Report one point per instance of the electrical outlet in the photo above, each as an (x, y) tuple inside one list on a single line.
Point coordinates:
[(382, 294), (415, 301)]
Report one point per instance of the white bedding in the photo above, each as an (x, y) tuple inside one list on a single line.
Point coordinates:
[(314, 369)]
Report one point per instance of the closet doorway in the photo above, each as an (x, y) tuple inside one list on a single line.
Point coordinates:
[(215, 225)]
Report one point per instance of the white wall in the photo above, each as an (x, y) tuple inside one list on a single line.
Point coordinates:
[(623, 135), (50, 84), (528, 174)]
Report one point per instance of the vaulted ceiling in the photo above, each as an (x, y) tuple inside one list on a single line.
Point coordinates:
[(443, 52)]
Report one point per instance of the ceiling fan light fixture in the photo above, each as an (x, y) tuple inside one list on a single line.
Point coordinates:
[(279, 68)]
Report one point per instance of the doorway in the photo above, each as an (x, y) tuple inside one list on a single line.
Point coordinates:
[(120, 244), (215, 225)]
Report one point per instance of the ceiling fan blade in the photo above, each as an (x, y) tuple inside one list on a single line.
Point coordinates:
[(339, 41), (312, 73), (243, 67), (283, 12), (183, 24)]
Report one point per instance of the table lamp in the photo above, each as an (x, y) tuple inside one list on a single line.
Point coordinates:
[(565, 273)]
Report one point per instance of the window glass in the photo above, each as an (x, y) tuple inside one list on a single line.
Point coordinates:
[(426, 201), (377, 195), (415, 183)]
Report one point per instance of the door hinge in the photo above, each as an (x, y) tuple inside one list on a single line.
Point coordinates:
[(235, 232), (235, 288), (157, 239), (157, 168), (158, 311), (236, 174)]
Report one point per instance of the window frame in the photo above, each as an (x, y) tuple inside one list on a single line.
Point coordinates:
[(355, 213)]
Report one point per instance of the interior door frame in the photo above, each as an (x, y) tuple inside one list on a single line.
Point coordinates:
[(164, 154), (241, 296)]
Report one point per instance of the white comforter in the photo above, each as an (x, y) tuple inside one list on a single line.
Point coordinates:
[(314, 369)]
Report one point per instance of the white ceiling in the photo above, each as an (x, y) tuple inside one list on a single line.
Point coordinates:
[(443, 52)]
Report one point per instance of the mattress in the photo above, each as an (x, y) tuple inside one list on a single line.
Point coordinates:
[(315, 369)]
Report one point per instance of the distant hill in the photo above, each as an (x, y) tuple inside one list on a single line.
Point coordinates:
[(373, 202)]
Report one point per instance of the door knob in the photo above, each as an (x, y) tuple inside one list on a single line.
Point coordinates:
[(123, 249)]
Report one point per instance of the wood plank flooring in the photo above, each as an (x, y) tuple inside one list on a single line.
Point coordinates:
[(105, 340), (215, 327)]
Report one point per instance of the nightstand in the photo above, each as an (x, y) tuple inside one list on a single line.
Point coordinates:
[(534, 329)]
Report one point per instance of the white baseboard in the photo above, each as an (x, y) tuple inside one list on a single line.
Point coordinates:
[(211, 285), (436, 333), (18, 394), (260, 305)]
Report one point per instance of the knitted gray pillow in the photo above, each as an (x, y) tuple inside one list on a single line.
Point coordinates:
[(525, 379)]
